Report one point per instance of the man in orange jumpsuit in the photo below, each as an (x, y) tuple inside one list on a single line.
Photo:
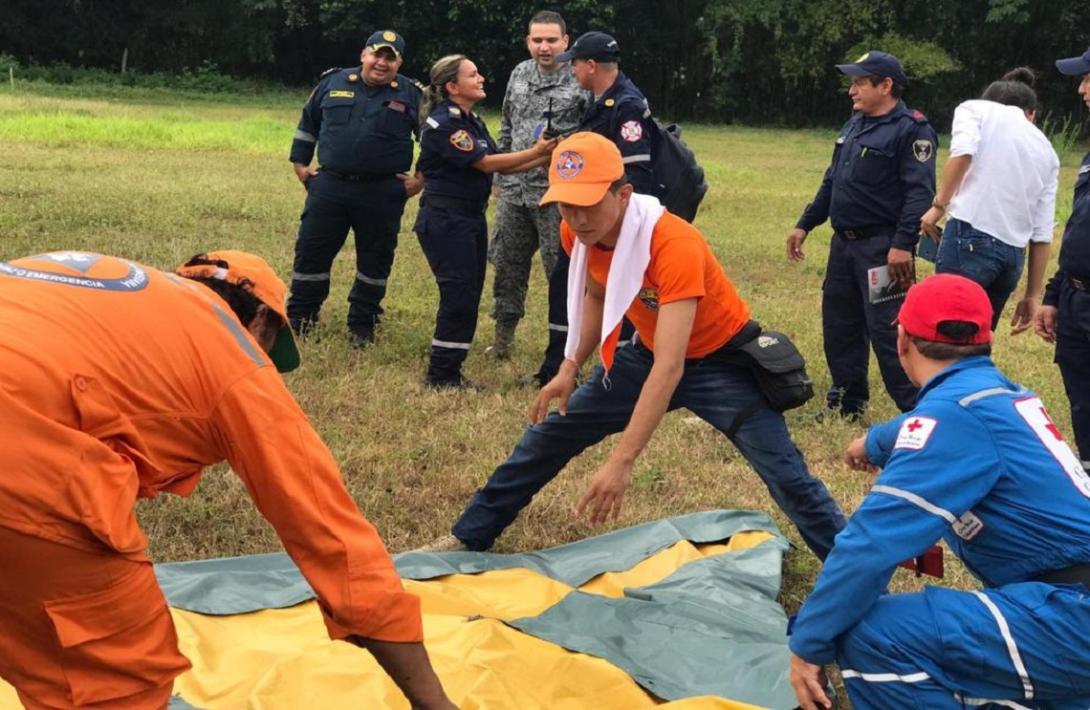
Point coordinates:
[(118, 381)]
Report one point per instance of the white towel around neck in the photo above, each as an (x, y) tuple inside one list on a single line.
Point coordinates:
[(630, 258)]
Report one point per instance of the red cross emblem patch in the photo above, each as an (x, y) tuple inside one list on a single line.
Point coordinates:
[(914, 433)]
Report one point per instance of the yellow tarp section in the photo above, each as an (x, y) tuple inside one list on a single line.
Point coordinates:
[(282, 658)]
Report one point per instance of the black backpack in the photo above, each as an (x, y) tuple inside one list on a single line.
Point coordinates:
[(678, 177)]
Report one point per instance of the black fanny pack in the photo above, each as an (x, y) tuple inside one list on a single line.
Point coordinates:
[(776, 363)]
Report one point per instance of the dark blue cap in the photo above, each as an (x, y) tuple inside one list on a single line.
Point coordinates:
[(592, 45), (386, 38), (1075, 66), (879, 64)]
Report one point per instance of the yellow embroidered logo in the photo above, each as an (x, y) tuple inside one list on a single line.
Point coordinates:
[(650, 298), (389, 36), (862, 59)]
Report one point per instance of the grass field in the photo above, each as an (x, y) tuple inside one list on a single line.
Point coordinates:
[(158, 181)]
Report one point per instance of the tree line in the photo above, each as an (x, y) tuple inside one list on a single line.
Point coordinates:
[(744, 61)]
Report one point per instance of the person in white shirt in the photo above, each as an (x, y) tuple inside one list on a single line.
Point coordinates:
[(999, 193)]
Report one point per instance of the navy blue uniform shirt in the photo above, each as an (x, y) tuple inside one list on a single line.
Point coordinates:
[(450, 143), (1075, 248), (359, 129), (882, 174), (622, 115)]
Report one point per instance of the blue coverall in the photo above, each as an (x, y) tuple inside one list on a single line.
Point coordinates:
[(980, 464)]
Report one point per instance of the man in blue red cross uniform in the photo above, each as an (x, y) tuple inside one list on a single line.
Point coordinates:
[(362, 120), (1065, 316), (880, 182), (979, 464)]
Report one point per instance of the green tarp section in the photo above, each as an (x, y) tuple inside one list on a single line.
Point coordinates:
[(237, 585), (712, 627)]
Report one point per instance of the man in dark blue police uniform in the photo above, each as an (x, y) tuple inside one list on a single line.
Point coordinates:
[(619, 112), (880, 182), (1065, 316), (363, 120)]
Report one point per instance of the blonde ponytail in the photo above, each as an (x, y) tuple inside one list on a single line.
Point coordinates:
[(443, 71)]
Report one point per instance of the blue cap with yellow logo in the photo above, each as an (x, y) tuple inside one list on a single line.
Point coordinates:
[(879, 64), (386, 38)]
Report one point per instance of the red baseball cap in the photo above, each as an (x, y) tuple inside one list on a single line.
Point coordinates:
[(946, 297)]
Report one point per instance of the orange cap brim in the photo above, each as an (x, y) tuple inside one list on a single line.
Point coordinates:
[(578, 194)]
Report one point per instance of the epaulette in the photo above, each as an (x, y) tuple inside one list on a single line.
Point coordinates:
[(918, 116), (418, 84), (329, 71)]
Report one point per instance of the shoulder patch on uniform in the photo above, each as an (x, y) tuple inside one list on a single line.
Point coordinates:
[(915, 432), (329, 71), (461, 140), (631, 131), (923, 149)]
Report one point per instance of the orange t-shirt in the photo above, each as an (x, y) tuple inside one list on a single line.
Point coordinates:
[(682, 266), (120, 381)]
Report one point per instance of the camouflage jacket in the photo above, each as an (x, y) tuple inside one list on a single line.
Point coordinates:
[(525, 113)]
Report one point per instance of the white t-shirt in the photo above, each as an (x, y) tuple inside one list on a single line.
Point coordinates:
[(1010, 189)]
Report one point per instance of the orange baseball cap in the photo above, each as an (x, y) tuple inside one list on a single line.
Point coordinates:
[(252, 273), (583, 167)]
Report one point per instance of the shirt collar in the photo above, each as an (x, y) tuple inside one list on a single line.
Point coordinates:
[(973, 362)]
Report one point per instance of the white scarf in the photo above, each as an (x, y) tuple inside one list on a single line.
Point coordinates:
[(630, 258)]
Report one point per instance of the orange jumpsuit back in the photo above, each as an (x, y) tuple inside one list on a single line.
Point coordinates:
[(118, 381)]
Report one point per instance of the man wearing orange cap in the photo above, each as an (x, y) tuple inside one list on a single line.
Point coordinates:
[(120, 382), (979, 464), (631, 257)]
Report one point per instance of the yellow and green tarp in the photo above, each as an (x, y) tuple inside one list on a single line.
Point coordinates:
[(678, 613)]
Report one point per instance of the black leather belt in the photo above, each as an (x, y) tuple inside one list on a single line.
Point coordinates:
[(347, 177), (1076, 574), (454, 203), (864, 232)]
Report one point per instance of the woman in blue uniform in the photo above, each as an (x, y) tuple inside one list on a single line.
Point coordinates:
[(457, 157)]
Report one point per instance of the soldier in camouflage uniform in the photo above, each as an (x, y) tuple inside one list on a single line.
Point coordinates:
[(541, 95)]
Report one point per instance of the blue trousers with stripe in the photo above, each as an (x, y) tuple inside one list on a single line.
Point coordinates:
[(1018, 646), (456, 246), (373, 211)]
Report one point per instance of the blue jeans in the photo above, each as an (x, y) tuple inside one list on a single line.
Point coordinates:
[(716, 392), (979, 256)]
